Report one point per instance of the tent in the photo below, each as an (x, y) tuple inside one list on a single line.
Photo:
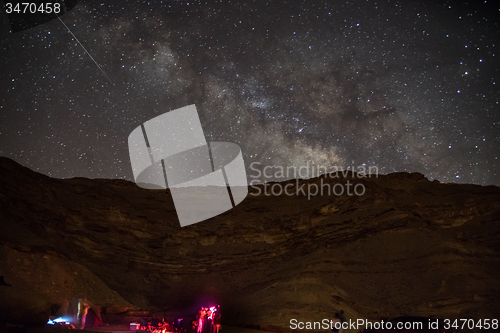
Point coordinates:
[(70, 309)]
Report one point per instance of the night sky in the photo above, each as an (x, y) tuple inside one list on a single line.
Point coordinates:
[(403, 85)]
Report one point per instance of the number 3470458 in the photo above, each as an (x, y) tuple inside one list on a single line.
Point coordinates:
[(32, 8), (462, 324)]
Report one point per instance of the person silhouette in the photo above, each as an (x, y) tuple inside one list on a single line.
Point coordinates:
[(83, 309)]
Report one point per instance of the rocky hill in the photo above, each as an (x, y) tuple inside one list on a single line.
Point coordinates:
[(407, 246)]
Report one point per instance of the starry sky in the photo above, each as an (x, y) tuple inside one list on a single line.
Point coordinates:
[(401, 85)]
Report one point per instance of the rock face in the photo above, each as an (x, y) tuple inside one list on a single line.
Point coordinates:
[(407, 246)]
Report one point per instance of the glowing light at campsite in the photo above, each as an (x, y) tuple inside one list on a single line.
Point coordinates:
[(65, 320)]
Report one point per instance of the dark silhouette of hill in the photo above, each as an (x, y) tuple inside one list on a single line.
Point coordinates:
[(407, 246)]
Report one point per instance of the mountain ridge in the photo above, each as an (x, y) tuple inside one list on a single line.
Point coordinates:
[(271, 258)]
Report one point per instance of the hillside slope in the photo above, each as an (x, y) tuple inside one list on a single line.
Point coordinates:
[(407, 246)]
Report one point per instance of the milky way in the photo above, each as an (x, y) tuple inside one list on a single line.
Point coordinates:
[(405, 86)]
